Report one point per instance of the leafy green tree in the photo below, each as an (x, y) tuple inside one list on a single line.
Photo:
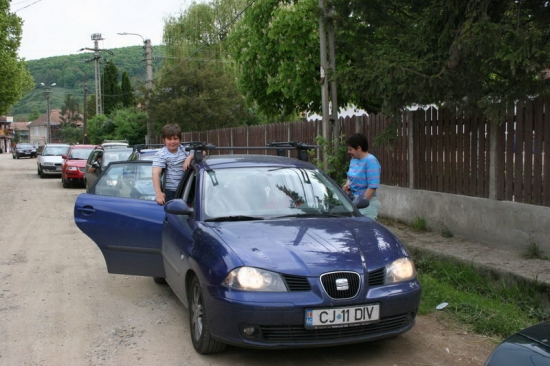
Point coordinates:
[(127, 91), (71, 134), (98, 127), (198, 99), (70, 112), (276, 46), (112, 97), (475, 54), (15, 80), (33, 115), (130, 124)]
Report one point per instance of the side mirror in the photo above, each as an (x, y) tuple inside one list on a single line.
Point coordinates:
[(177, 207)]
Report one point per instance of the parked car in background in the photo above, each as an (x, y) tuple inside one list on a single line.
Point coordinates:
[(114, 143), (24, 149), (50, 159), (264, 251), (145, 152), (108, 155), (530, 346), (73, 167)]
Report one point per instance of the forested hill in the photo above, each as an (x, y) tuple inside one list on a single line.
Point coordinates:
[(67, 72)]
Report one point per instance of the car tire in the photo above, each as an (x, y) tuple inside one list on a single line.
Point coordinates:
[(65, 183), (41, 173), (17, 155), (202, 339), (13, 156), (160, 280)]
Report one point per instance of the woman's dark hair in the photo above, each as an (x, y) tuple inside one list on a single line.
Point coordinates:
[(356, 140)]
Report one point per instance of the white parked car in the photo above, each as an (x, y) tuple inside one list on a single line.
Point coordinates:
[(50, 159)]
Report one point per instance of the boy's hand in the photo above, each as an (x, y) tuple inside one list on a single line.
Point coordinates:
[(160, 198)]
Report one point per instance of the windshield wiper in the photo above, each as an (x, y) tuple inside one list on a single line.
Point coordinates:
[(235, 218)]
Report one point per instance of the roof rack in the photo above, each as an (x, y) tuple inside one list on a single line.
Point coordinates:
[(199, 147)]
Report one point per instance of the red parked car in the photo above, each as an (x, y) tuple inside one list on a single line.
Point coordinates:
[(74, 165)]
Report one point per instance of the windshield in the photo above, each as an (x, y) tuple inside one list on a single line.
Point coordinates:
[(118, 155), (25, 146), (80, 154), (270, 193), (55, 150)]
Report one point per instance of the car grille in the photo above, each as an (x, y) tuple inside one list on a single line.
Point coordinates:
[(376, 277), (329, 282), (82, 170), (296, 283), (299, 283), (297, 333)]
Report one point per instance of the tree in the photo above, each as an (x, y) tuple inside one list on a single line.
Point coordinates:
[(474, 54), (111, 88), (15, 80), (276, 46), (33, 115), (127, 91), (70, 112), (198, 99)]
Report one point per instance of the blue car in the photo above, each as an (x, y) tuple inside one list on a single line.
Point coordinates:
[(264, 251)]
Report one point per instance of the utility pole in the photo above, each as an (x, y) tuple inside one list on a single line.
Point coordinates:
[(85, 137), (332, 66), (48, 127), (324, 80), (149, 79), (96, 37)]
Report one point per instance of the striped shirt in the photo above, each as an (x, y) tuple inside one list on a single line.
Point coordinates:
[(363, 174), (173, 163)]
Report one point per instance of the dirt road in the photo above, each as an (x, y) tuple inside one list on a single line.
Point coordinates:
[(59, 306)]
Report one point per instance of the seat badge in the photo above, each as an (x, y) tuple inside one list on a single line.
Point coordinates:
[(342, 284)]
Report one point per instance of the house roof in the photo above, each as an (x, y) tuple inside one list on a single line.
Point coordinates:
[(43, 119), (20, 126), (55, 119)]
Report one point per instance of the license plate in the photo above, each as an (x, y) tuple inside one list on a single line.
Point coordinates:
[(341, 317)]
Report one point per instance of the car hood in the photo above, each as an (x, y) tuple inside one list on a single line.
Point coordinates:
[(314, 246)]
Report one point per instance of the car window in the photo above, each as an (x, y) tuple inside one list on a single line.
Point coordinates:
[(120, 155), (55, 150), (126, 180), (80, 154), (271, 192)]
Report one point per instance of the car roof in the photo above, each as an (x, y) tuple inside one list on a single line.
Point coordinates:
[(79, 146), (252, 160)]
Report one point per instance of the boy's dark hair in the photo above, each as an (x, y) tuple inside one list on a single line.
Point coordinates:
[(356, 140), (171, 130)]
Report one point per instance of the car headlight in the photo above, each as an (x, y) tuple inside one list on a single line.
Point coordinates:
[(72, 168), (254, 279), (400, 270), (111, 183)]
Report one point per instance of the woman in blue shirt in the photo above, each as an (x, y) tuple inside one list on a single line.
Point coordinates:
[(363, 176)]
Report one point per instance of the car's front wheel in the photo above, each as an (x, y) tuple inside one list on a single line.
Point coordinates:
[(202, 339), (41, 173)]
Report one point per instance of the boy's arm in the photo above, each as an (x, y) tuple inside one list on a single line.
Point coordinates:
[(160, 197)]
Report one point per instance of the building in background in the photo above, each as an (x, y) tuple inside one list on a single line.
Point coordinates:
[(6, 133), (38, 129)]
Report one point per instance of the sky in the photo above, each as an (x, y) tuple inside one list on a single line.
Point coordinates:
[(63, 27)]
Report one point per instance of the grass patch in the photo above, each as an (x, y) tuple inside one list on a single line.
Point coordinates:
[(419, 224), (489, 305), (446, 233), (533, 250)]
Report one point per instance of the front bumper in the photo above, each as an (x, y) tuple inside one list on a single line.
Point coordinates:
[(51, 169), (278, 319)]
